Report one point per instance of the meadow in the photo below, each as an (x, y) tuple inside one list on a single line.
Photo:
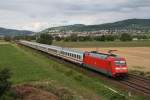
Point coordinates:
[(28, 66)]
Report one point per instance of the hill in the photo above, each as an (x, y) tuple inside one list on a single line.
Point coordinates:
[(13, 32), (129, 24)]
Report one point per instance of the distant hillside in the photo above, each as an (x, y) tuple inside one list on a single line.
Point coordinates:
[(12, 32), (134, 24)]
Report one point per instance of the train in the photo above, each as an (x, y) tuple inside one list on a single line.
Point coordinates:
[(109, 64)]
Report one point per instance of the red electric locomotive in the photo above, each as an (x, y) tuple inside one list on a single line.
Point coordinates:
[(109, 64)]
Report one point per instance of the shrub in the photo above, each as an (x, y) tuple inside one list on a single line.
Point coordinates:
[(45, 39), (73, 37), (100, 38), (110, 38), (7, 38), (4, 81), (126, 37)]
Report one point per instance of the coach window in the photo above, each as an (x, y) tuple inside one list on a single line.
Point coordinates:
[(73, 55), (78, 56), (70, 54)]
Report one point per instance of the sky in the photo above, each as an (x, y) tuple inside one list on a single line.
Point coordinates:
[(36, 15)]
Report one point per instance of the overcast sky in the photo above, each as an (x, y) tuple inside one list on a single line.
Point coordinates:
[(36, 15)]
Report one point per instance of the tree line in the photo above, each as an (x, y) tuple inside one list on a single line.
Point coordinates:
[(122, 37), (48, 38)]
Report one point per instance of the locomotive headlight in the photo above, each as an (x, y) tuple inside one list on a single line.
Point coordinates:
[(117, 68), (121, 68)]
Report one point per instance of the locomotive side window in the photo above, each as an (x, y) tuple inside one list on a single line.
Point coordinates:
[(120, 63)]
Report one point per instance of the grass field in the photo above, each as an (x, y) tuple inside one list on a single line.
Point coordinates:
[(103, 44), (29, 66)]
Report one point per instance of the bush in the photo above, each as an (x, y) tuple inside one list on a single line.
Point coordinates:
[(73, 37), (81, 38), (45, 39), (100, 38), (7, 38), (4, 81), (57, 38), (126, 37), (110, 38), (66, 39)]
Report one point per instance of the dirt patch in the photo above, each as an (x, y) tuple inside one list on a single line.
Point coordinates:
[(29, 92)]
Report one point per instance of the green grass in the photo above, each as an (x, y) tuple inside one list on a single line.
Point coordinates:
[(29, 66), (103, 44)]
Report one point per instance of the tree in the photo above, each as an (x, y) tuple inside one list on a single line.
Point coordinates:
[(58, 38), (45, 39), (7, 38), (81, 38), (74, 37), (4, 81), (100, 38), (110, 38), (88, 38), (126, 37), (66, 39)]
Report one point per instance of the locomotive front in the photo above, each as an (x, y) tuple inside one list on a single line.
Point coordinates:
[(119, 67)]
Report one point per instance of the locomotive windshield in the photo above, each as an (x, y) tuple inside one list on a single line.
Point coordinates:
[(120, 63)]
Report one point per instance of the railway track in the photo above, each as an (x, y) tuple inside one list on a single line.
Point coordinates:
[(133, 83), (138, 83)]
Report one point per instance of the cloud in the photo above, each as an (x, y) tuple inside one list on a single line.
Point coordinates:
[(39, 14)]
